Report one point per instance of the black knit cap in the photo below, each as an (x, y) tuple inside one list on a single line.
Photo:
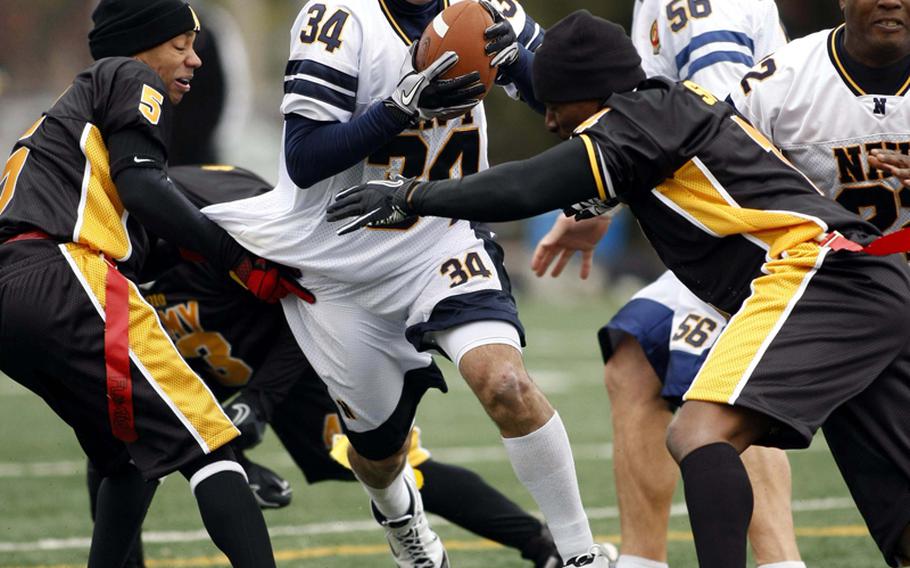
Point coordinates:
[(584, 57), (128, 27)]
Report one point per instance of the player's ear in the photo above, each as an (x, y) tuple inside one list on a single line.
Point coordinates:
[(842, 4)]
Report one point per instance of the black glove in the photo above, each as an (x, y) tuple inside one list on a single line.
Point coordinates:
[(270, 489), (590, 208), (246, 415), (503, 43), (376, 203), (267, 280), (422, 95)]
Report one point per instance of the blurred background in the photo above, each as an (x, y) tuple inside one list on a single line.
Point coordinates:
[(43, 45)]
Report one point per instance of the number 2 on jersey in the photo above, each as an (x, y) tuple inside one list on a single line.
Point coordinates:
[(328, 33), (768, 68)]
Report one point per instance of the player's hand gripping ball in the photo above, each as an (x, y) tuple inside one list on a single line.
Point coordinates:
[(459, 28)]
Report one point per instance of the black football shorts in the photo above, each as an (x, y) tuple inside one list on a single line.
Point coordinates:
[(823, 340), (52, 341)]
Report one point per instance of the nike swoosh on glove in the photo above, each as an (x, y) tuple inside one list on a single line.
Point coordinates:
[(423, 95), (244, 413), (375, 203)]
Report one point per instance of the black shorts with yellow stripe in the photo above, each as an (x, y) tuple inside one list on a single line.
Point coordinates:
[(52, 341), (823, 339)]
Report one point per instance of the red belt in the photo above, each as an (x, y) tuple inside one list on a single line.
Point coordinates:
[(898, 241), (116, 346), (27, 236), (117, 356)]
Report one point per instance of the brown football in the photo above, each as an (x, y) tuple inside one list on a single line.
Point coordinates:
[(458, 28)]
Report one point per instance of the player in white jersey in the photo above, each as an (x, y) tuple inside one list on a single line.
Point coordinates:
[(655, 345), (834, 102), (355, 110)]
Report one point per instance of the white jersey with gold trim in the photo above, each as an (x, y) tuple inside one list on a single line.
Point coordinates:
[(805, 101), (711, 42), (346, 55)]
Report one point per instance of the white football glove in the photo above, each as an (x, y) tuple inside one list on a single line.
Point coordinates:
[(422, 95)]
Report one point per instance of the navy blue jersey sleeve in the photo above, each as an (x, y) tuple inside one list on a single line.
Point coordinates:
[(315, 150)]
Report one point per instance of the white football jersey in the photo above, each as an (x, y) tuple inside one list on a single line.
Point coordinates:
[(711, 42), (346, 55), (805, 101)]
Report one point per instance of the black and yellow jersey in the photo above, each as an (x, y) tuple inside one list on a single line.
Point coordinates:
[(59, 177), (222, 331), (208, 184), (714, 196)]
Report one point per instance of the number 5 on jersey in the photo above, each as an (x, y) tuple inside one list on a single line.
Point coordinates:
[(13, 167), (150, 104)]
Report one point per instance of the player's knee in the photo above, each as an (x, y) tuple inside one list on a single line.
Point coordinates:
[(686, 435), (699, 424), (220, 455), (383, 467), (506, 387)]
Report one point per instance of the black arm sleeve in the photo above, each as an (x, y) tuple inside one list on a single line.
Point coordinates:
[(152, 199), (557, 178)]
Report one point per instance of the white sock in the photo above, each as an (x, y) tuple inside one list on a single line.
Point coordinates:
[(628, 561), (394, 500), (543, 462), (785, 564)]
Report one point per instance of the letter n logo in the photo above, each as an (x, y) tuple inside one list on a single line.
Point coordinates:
[(879, 105)]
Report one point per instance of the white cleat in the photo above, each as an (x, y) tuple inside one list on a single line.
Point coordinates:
[(602, 555), (412, 541)]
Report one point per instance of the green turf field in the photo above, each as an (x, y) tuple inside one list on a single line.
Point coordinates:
[(44, 511)]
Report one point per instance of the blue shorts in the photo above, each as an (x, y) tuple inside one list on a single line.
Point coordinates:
[(674, 328)]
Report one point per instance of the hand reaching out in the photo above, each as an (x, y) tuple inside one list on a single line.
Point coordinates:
[(892, 162), (566, 237)]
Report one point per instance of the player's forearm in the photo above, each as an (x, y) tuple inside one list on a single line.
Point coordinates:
[(554, 179), (317, 150), (153, 200)]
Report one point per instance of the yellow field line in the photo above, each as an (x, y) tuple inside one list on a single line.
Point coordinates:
[(841, 531)]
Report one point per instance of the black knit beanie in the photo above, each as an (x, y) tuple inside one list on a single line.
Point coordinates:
[(584, 57), (128, 27)]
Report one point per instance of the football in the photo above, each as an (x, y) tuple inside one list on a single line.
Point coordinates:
[(458, 28)]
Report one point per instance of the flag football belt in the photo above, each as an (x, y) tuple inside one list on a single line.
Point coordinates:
[(27, 236), (116, 345), (898, 241)]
